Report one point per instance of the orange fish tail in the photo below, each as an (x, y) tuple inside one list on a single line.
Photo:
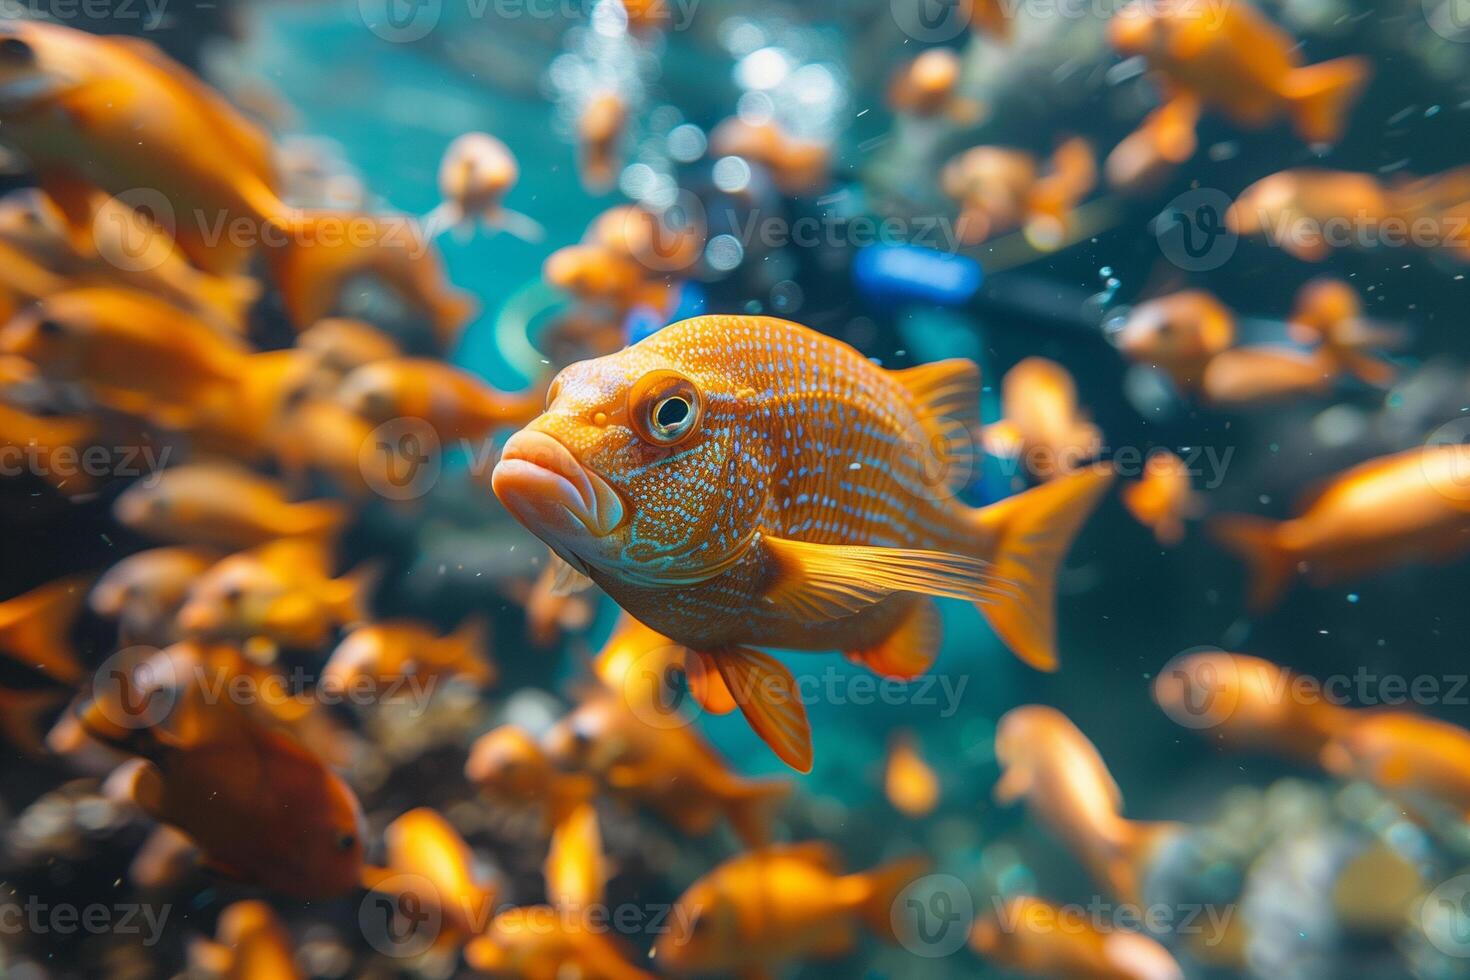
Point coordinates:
[(882, 886), (1254, 540), (1137, 848), (752, 807), (1321, 96), (1367, 368), (1031, 533)]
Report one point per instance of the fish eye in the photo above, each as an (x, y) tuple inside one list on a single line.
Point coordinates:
[(345, 842), (48, 327), (16, 51), (664, 408)]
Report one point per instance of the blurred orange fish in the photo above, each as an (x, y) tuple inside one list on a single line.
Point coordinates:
[(1405, 508), (380, 654), (49, 446), (1043, 425), (454, 402), (426, 857), (797, 165), (509, 766), (911, 784), (1049, 763), (712, 480), (1328, 311), (779, 903), (1233, 59), (1162, 498), (145, 591), (1034, 937), (476, 173), (1146, 157), (928, 86), (1303, 211), (342, 345), (600, 129), (1411, 757), (1179, 334), (999, 189), (1265, 374), (35, 628), (250, 943)]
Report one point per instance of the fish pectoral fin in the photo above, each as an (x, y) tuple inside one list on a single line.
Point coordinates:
[(1013, 784), (829, 581), (766, 693), (707, 686), (909, 650), (566, 579)]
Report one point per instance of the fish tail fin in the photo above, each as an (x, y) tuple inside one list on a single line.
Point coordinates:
[(444, 216), (1321, 96), (231, 297), (1135, 849), (352, 601), (41, 636), (1366, 367), (1254, 540), (323, 519), (471, 643), (882, 886), (522, 226), (1029, 534), (752, 807)]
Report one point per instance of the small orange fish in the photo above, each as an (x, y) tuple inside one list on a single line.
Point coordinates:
[(551, 609), (999, 189), (22, 713), (51, 446), (1234, 60), (713, 481), (1048, 762), (248, 424), (1247, 702), (650, 755), (222, 505), (342, 345), (596, 274), (797, 166), (656, 241), (261, 807), (911, 784), (1034, 937), (381, 653), (1409, 756), (427, 855), (1043, 425), (35, 628), (779, 903), (1404, 508), (1328, 311), (1179, 334), (928, 85), (992, 17), (281, 592), (1266, 374), (1304, 211), (145, 591), (600, 128), (1163, 498), (635, 662), (476, 173), (128, 351), (509, 766), (322, 437), (1146, 157), (548, 942), (455, 403), (250, 943)]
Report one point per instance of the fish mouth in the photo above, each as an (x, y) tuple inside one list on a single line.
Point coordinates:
[(542, 484)]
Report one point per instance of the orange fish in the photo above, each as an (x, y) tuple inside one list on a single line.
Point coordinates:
[(1409, 756), (1042, 425), (911, 784), (1304, 211), (635, 662), (596, 274), (549, 942), (928, 85), (222, 505), (382, 653), (648, 754), (600, 127), (114, 114), (779, 903), (261, 807), (145, 591), (1328, 311), (1048, 762), (281, 592), (22, 713), (50, 446), (35, 628), (1265, 374), (248, 424), (1163, 498), (713, 481), (455, 403), (509, 766), (342, 345), (1034, 937), (1404, 508), (1146, 157), (550, 609), (1234, 60), (427, 857), (128, 351), (476, 173), (250, 943), (796, 165), (1248, 702), (321, 437), (992, 17), (1179, 334), (999, 188)]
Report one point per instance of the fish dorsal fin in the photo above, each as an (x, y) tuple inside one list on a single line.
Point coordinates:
[(766, 693), (947, 401), (829, 581), (567, 580)]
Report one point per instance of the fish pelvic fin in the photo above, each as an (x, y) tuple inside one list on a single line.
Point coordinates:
[(1030, 534), (1256, 542), (1320, 96), (751, 808), (881, 888), (909, 650), (766, 693)]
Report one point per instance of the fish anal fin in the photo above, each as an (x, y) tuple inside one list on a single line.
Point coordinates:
[(909, 650), (707, 686), (766, 693)]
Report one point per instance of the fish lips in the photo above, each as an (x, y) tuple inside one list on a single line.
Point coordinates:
[(548, 489)]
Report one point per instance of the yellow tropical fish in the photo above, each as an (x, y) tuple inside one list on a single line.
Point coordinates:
[(1162, 498), (738, 482), (426, 855)]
